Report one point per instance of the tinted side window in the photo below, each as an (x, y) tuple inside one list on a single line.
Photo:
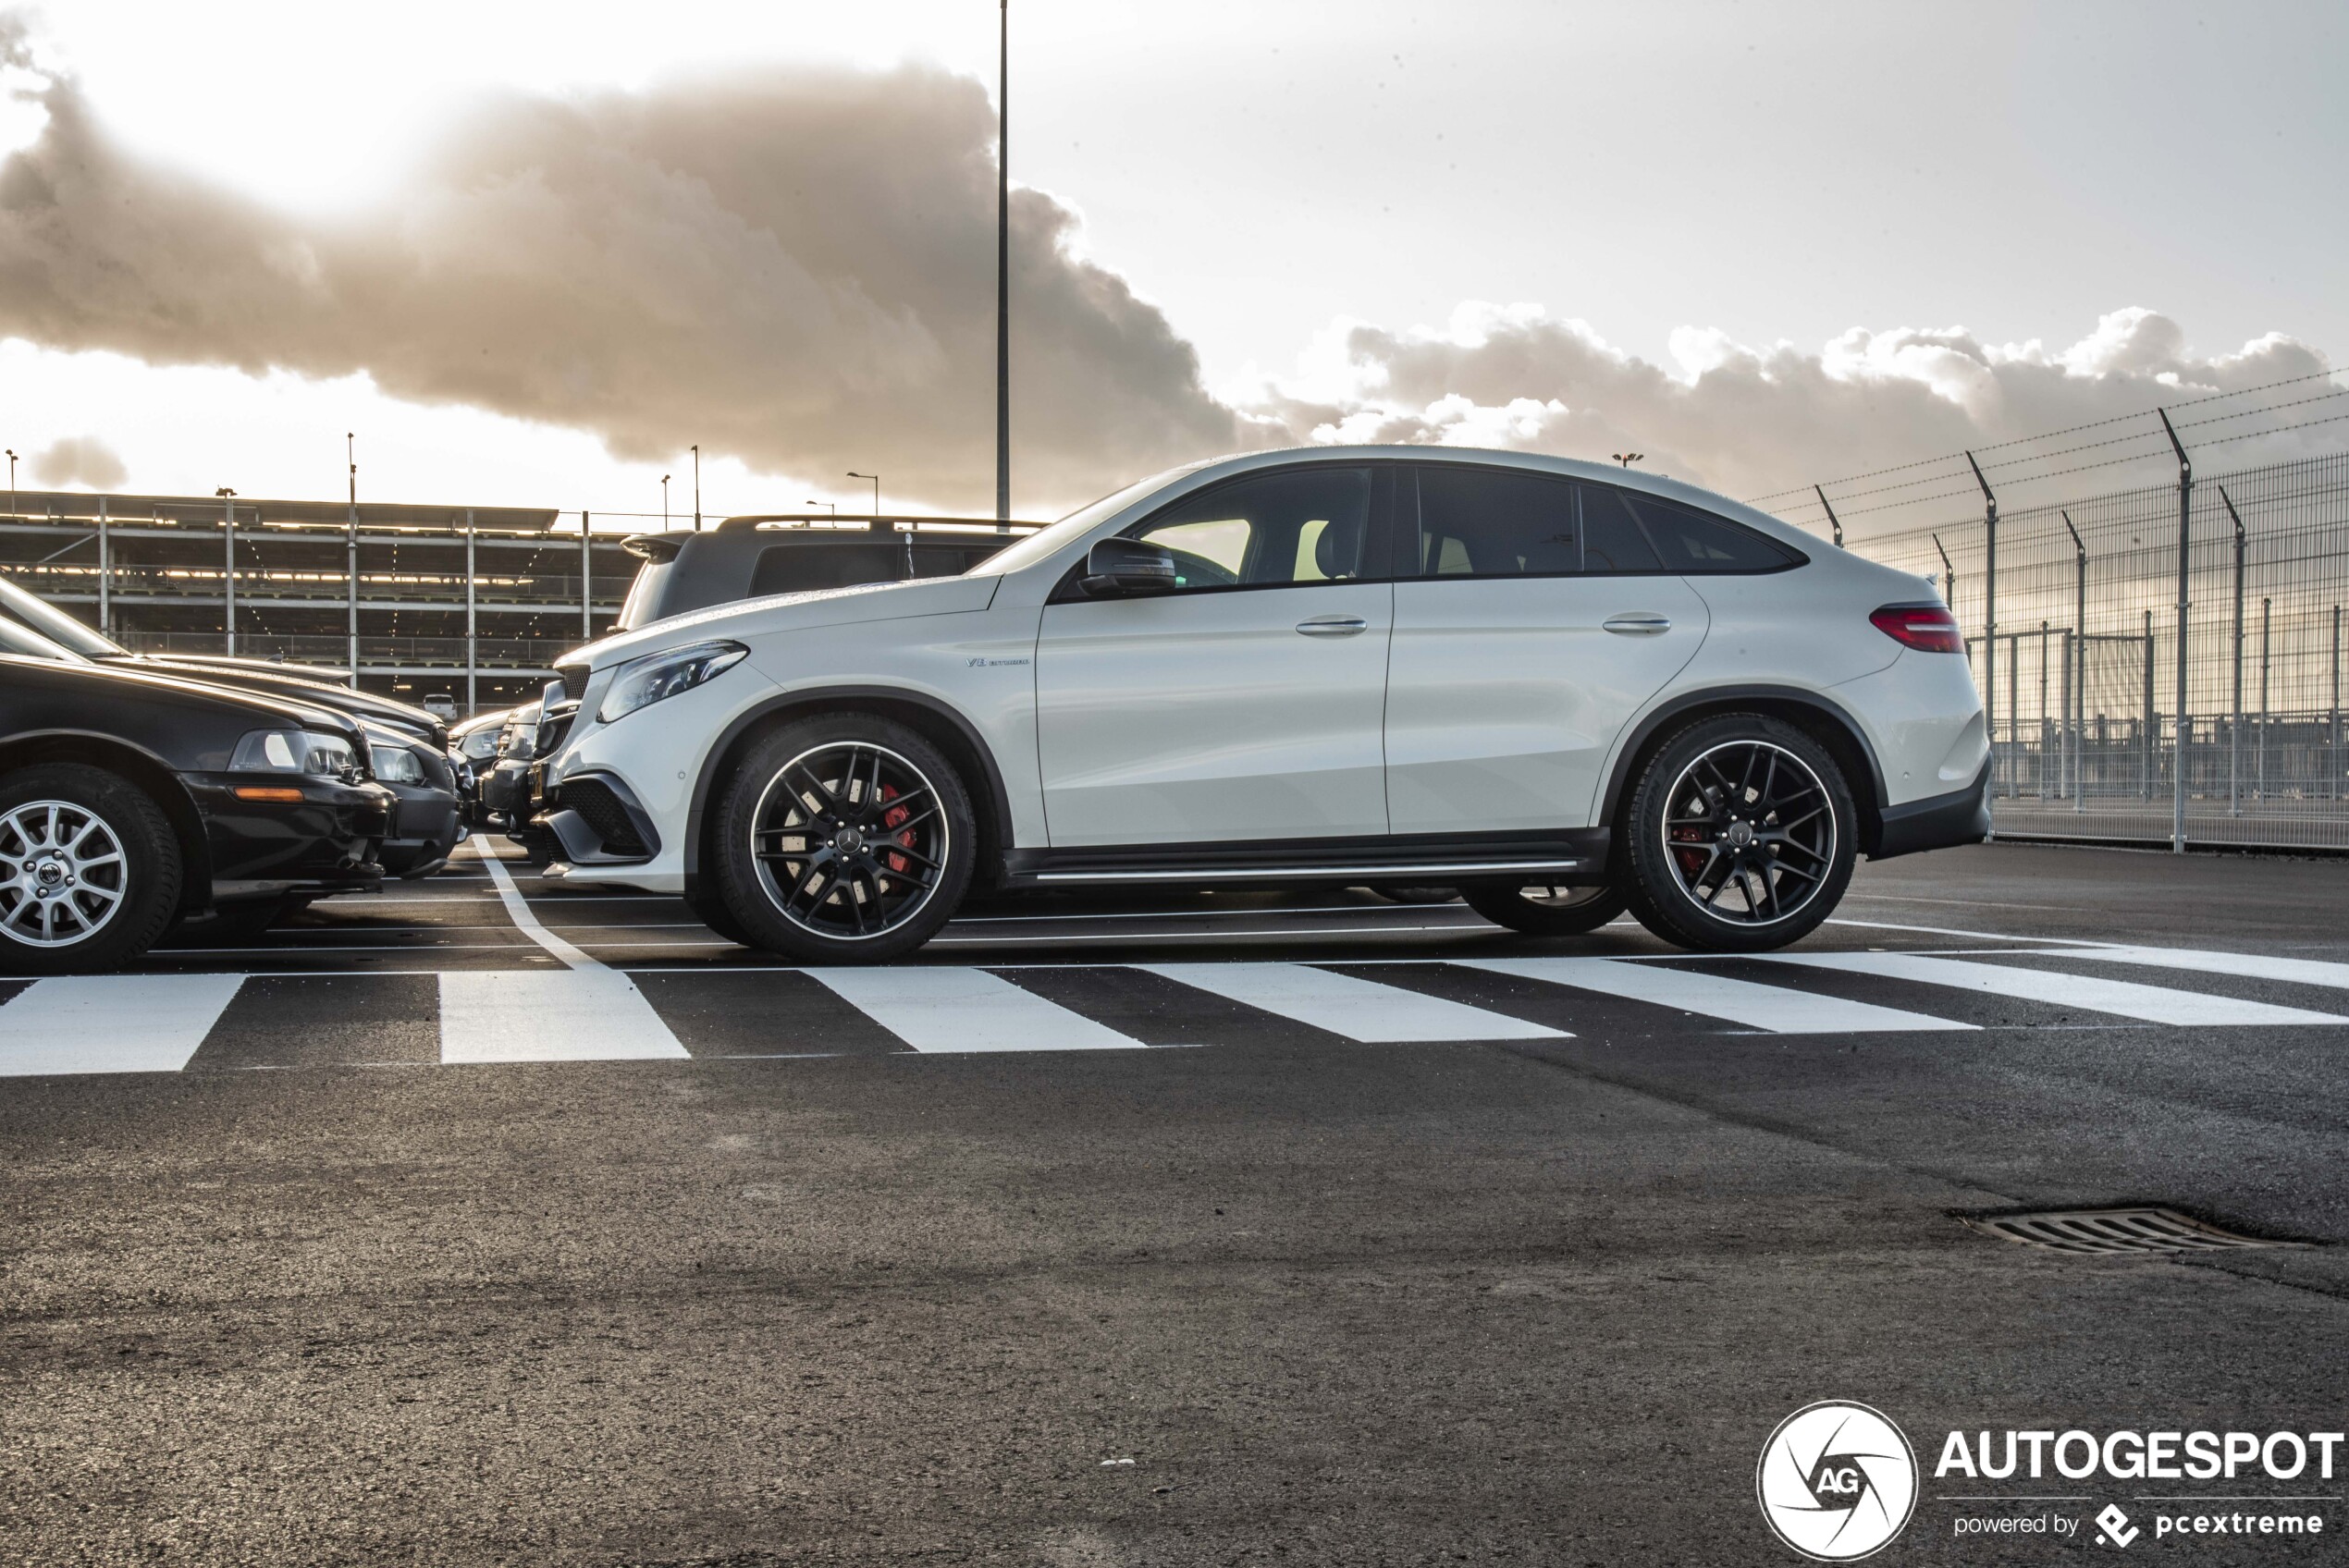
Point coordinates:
[(1308, 525), (1611, 538), (1697, 544), (1492, 523), (797, 569)]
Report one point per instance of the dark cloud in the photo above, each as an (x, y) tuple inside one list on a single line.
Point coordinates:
[(79, 459), (794, 267)]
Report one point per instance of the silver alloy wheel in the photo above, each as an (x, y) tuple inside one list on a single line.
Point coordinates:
[(850, 840), (1749, 831), (63, 875)]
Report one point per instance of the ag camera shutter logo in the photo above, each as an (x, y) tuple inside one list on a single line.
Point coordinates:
[(1837, 1481)]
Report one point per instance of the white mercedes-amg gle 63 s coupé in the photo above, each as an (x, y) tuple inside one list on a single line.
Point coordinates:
[(1561, 688)]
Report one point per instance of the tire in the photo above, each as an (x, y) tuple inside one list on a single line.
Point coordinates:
[(1547, 911), (1393, 893), (849, 874), (108, 852), (711, 910), (1740, 836)]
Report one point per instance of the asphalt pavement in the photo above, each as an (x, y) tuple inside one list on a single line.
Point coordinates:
[(495, 1221)]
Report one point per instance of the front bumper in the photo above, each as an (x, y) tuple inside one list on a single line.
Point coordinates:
[(1941, 822), (325, 841), (427, 824)]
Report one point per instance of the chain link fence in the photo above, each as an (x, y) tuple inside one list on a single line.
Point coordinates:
[(2081, 680)]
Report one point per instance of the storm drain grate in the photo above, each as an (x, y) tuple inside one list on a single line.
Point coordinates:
[(2117, 1230)]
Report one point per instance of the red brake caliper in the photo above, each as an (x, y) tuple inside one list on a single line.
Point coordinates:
[(889, 820), (1692, 860)]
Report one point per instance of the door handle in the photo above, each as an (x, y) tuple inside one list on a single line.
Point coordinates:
[(1638, 623), (1333, 626)]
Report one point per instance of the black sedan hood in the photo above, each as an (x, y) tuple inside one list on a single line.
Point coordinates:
[(292, 686)]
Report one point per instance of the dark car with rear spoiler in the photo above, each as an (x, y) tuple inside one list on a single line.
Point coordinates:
[(742, 558)]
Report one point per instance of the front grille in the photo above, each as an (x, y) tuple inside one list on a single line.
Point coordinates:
[(600, 810), (2117, 1230)]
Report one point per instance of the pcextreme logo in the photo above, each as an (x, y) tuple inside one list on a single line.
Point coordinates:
[(1837, 1481)]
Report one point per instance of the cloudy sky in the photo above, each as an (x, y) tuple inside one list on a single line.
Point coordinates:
[(533, 263)]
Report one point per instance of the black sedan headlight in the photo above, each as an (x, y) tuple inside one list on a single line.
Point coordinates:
[(398, 764), (296, 751)]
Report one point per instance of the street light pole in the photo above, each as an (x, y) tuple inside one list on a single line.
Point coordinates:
[(1002, 264), (12, 482), (228, 576), (833, 507), (351, 557), (876, 479), (664, 503), (697, 488)]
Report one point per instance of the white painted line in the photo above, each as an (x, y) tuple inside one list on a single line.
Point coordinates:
[(2253, 966), (933, 1008), (1096, 939), (548, 1015), (1346, 1004), (1953, 931), (2154, 1004), (111, 1022), (1772, 1007), (519, 909)]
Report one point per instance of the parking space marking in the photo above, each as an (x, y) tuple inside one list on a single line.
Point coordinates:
[(1741, 1001), (1348, 1006), (549, 1015), (2252, 966), (2125, 998), (111, 1022), (936, 1008)]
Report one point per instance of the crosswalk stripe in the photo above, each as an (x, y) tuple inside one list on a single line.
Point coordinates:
[(2153, 1004), (932, 1007), (2253, 966), (549, 1015), (1342, 1004), (111, 1022), (1739, 1001)]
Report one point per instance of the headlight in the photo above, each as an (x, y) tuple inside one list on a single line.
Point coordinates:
[(481, 744), (398, 765), (295, 751), (648, 680)]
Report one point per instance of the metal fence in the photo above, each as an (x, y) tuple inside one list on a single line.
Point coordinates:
[(2081, 684)]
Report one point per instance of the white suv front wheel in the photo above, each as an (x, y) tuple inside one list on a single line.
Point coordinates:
[(846, 839), (1740, 836)]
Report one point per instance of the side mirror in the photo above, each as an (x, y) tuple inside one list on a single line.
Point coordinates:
[(1116, 568)]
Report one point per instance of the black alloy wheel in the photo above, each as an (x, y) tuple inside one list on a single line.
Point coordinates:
[(1740, 836), (1542, 910), (846, 839), (89, 870)]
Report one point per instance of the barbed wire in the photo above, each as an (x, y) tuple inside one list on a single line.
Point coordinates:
[(2051, 435)]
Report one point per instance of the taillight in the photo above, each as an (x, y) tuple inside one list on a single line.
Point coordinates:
[(1929, 628)]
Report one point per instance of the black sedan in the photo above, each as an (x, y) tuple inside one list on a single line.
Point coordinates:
[(428, 820), (131, 800), (294, 683)]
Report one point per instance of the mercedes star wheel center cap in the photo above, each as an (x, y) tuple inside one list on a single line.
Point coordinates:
[(1740, 834)]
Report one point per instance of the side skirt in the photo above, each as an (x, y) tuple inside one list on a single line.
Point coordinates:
[(1571, 856)]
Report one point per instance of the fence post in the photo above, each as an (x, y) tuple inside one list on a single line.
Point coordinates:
[(228, 575), (1989, 621), (2235, 723), (106, 572), (2079, 625), (2145, 725), (1833, 522), (2185, 566), (2067, 761), (2259, 779), (2336, 702), (472, 640)]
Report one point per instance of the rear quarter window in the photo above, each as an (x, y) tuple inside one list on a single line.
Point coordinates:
[(1697, 543), (798, 568)]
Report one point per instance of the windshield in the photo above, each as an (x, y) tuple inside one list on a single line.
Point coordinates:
[(1036, 546), (53, 623), (640, 594)]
